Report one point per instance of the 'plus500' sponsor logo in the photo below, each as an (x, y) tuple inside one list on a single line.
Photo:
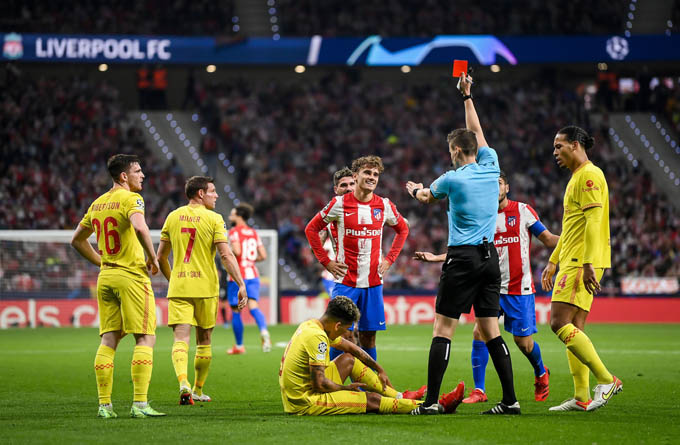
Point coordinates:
[(506, 240), (363, 233)]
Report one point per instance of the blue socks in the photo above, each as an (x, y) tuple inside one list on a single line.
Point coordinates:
[(259, 319), (372, 352), (237, 324), (536, 360), (480, 358)]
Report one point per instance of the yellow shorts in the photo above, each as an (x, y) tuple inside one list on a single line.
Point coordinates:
[(569, 287), (201, 312), (126, 304), (338, 402)]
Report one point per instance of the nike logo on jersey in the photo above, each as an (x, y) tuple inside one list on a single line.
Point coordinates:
[(382, 323), (525, 329), (349, 214)]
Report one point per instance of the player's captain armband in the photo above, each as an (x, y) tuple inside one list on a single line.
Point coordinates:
[(537, 228)]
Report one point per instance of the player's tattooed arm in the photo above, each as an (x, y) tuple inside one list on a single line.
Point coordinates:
[(320, 383)]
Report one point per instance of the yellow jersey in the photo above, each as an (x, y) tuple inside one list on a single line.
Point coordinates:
[(117, 243), (586, 189), (308, 346), (193, 231)]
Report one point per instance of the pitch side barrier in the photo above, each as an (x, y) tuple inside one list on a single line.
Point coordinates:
[(410, 308), (356, 51)]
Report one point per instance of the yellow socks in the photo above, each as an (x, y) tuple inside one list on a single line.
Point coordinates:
[(142, 365), (580, 345), (103, 371), (389, 405), (201, 366), (364, 374), (581, 375), (180, 357)]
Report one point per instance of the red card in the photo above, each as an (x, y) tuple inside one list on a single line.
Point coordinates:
[(459, 67)]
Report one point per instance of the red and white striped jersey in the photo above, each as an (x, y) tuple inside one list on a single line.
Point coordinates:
[(514, 226), (248, 239), (359, 242)]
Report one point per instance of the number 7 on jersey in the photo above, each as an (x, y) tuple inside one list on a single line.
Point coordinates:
[(192, 236)]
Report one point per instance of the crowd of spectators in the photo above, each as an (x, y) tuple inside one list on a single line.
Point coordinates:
[(286, 139), (411, 18), (175, 17), (55, 138)]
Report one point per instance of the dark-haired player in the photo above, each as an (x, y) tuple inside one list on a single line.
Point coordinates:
[(471, 275), (583, 253), (313, 385), (195, 232), (248, 248), (124, 294), (515, 223)]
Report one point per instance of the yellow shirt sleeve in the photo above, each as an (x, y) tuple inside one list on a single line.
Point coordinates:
[(316, 348), (590, 190), (220, 233), (134, 203)]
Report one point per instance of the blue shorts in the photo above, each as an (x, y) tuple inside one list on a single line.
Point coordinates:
[(370, 303), (252, 289), (328, 285), (520, 314)]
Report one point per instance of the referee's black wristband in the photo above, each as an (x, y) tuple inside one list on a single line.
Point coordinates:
[(469, 96), (415, 192)]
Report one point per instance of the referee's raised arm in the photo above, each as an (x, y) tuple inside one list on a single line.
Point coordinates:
[(471, 118)]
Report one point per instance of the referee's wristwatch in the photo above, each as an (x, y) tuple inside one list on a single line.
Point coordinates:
[(466, 97)]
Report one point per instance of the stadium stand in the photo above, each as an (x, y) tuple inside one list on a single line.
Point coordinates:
[(56, 136), (179, 17), (400, 18)]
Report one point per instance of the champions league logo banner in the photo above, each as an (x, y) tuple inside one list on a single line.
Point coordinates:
[(316, 50)]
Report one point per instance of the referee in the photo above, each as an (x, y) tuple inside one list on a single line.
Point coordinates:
[(471, 274)]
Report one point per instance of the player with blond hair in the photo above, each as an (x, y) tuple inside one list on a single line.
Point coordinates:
[(360, 265)]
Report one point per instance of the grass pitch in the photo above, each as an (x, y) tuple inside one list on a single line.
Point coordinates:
[(49, 394)]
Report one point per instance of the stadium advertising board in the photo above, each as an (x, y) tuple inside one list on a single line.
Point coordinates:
[(81, 313), (419, 309), (362, 51), (400, 309)]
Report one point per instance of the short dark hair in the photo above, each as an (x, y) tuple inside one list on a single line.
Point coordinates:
[(342, 173), (465, 139), (245, 211), (369, 162), (343, 309), (196, 183), (578, 134), (120, 163), (503, 177)]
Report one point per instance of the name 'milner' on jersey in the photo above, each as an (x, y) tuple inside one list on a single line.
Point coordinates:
[(514, 226), (249, 241), (360, 230)]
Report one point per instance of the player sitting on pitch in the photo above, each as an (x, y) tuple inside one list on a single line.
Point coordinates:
[(313, 385)]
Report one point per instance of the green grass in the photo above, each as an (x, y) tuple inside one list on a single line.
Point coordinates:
[(49, 394)]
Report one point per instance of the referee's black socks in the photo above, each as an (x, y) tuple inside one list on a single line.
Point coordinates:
[(440, 351), (500, 355)]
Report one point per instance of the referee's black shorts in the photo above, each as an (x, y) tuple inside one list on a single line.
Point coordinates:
[(471, 276)]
